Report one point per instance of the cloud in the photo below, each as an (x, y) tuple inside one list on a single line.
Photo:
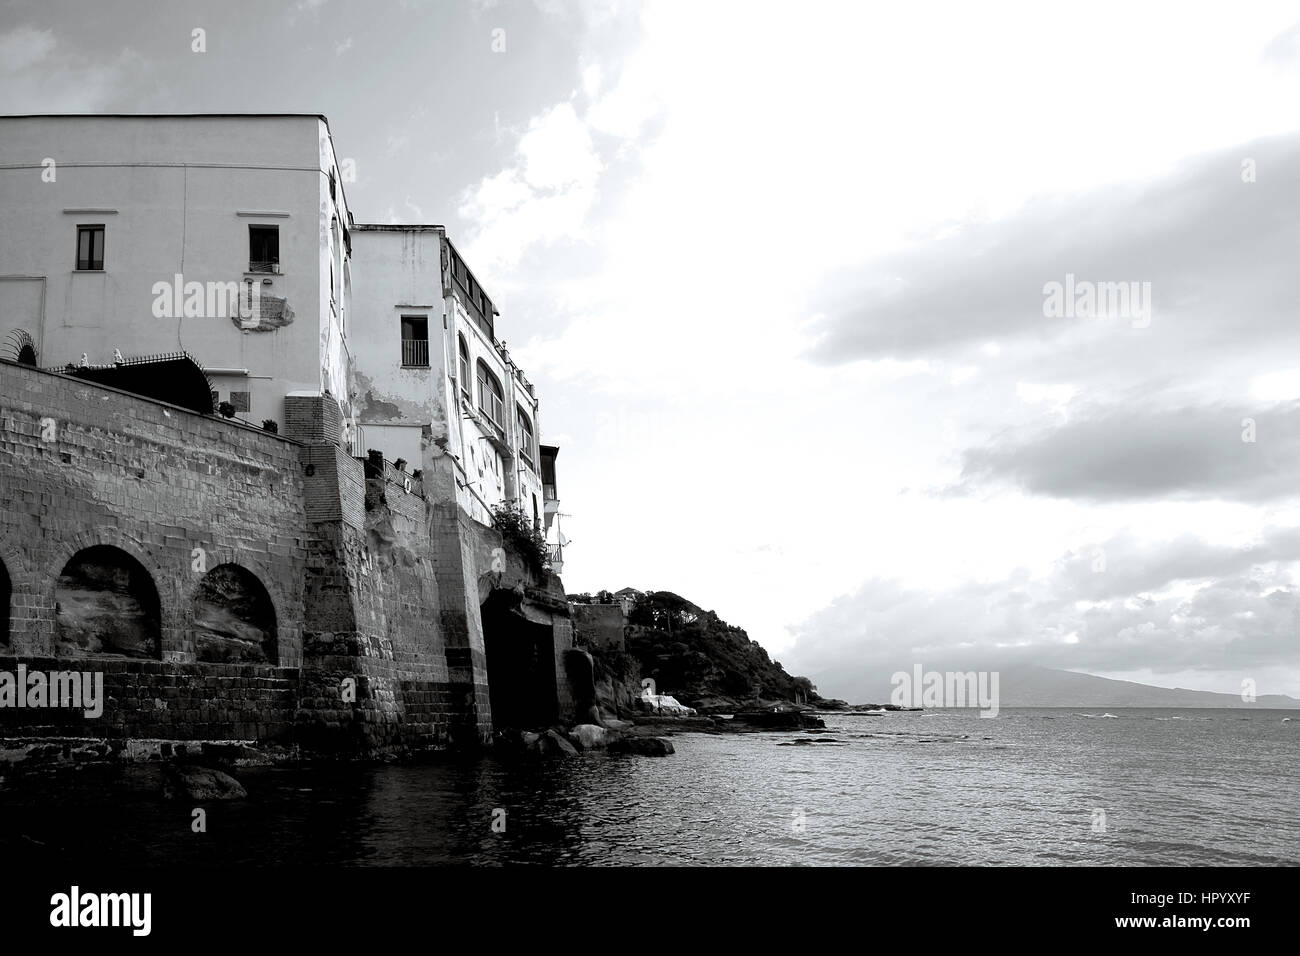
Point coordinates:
[(1137, 452), (1180, 606), (1218, 254), (39, 74), (343, 47), (1284, 50), (543, 197)]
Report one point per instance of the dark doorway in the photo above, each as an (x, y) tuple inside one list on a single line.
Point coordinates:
[(105, 603), (520, 665), (234, 619)]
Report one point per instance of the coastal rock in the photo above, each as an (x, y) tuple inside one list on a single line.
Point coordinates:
[(553, 743), (201, 783), (775, 720), (664, 705), (643, 746), (589, 737)]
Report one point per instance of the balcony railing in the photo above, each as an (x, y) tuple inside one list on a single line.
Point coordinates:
[(258, 265), (415, 352)]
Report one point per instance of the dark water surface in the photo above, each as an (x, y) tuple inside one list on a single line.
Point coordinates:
[(1176, 787)]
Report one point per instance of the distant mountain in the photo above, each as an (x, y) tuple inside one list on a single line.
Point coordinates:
[(1046, 687), (1021, 685)]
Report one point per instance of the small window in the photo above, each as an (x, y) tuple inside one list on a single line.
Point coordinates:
[(216, 398), (240, 400), (415, 341), (525, 435), (491, 398), (90, 248), (263, 248), (463, 368)]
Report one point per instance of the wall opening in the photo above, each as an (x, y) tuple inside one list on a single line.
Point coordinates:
[(6, 592), (520, 665), (105, 603), (234, 619)]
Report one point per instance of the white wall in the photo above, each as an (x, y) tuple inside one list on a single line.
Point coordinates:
[(176, 195)]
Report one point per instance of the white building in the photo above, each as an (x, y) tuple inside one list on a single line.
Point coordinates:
[(222, 235), (228, 236), (431, 371)]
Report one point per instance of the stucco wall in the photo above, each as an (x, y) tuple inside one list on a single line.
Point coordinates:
[(176, 196)]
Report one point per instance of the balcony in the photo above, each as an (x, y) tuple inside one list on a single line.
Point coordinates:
[(270, 268), (415, 353)]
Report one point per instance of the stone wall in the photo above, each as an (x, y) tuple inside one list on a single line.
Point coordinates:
[(351, 624)]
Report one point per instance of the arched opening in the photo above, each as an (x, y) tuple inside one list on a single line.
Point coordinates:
[(234, 619), (520, 665), (105, 603), (6, 591), (20, 347)]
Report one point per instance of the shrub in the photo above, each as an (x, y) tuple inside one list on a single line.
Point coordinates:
[(271, 425), (517, 531)]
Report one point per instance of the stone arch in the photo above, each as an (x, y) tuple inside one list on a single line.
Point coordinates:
[(106, 604), (235, 618), (520, 659)]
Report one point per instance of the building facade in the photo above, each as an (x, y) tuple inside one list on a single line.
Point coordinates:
[(229, 238), (233, 582), (431, 373), (224, 236)]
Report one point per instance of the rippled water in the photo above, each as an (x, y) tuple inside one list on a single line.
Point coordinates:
[(1176, 787)]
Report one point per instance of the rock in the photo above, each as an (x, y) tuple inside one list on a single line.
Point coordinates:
[(664, 705), (589, 737), (644, 746), (201, 783), (613, 723), (553, 743), (775, 720)]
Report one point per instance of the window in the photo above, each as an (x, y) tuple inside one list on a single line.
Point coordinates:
[(415, 341), (263, 248), (463, 367), (490, 396), (525, 435), (240, 400), (90, 248)]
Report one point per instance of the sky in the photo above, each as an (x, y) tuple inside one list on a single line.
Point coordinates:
[(781, 275)]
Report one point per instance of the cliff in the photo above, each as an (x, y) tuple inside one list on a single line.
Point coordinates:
[(694, 655)]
